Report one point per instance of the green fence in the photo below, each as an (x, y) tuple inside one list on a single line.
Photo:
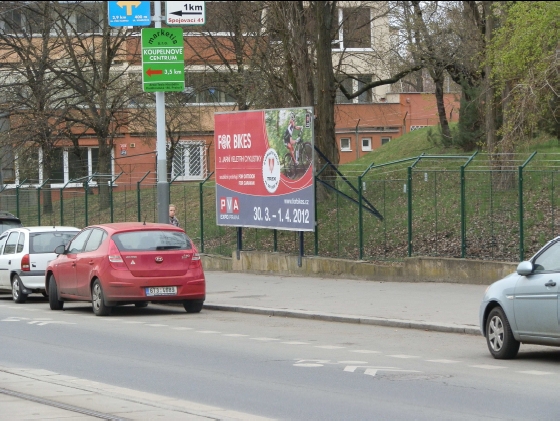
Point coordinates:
[(499, 207)]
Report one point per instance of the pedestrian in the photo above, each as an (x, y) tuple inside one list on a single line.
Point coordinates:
[(172, 219)]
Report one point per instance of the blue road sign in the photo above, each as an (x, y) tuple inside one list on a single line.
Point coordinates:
[(129, 13)]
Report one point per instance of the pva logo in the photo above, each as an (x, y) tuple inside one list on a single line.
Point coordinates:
[(229, 205)]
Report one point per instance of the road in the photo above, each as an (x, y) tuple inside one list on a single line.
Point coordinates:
[(282, 368)]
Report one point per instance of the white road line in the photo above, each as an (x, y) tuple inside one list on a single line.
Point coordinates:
[(234, 335), (207, 331), (295, 343), (365, 351), (403, 356), (329, 347), (181, 328), (134, 322), (443, 361), (353, 362), (488, 367), (156, 325), (264, 339), (535, 372)]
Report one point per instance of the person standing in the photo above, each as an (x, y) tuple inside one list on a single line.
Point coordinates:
[(172, 219)]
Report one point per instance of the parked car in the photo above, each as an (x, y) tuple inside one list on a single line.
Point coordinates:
[(7, 221), (127, 263), (524, 306), (24, 255)]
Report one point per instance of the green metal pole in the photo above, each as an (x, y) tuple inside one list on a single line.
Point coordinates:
[(201, 218), (521, 228), (61, 206), (409, 195), (138, 196), (360, 219), (86, 188), (463, 222), (275, 241), (316, 233), (111, 197), (17, 201)]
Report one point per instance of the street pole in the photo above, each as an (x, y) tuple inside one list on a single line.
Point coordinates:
[(161, 140)]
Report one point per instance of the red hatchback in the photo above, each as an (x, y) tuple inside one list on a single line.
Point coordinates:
[(127, 263)]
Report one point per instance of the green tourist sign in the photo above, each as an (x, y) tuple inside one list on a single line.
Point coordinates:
[(163, 63)]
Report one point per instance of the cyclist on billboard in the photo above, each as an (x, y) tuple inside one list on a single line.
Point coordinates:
[(289, 141)]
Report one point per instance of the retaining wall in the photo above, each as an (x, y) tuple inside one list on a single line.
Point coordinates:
[(413, 269)]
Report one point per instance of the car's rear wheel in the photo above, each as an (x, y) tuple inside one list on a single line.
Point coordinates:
[(97, 300), (17, 290), (193, 306), (54, 302), (499, 337)]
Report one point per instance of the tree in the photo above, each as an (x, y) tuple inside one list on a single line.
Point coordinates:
[(97, 72), (34, 97)]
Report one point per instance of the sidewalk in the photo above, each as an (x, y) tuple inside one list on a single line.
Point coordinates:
[(442, 307)]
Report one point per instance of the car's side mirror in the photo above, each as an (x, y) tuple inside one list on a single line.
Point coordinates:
[(524, 268), (59, 249)]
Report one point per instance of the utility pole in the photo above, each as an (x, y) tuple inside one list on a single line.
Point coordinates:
[(161, 143)]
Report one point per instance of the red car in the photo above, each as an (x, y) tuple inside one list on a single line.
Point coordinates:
[(127, 263)]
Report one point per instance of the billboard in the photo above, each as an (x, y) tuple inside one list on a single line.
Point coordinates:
[(264, 169)]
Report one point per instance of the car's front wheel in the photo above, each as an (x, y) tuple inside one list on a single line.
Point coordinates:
[(499, 337), (97, 300), (54, 302), (17, 290)]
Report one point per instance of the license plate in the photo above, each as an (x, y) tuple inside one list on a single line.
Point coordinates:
[(161, 291)]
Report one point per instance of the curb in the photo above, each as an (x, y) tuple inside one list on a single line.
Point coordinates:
[(377, 321)]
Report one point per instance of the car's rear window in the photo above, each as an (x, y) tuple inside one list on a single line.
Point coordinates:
[(6, 224), (152, 240), (46, 242)]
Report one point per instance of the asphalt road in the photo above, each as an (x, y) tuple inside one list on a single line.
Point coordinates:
[(282, 368)]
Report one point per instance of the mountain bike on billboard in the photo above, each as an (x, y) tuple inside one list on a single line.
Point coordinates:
[(300, 153)]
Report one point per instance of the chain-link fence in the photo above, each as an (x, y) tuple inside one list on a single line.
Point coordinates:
[(495, 207)]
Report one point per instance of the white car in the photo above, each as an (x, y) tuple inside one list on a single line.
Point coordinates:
[(24, 255)]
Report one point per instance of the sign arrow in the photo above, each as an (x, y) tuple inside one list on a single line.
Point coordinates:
[(129, 5), (181, 13), (151, 72)]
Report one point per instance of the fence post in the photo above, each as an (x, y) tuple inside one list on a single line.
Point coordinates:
[(39, 201), (138, 196), (521, 213), (17, 196), (360, 219), (86, 201), (61, 206), (463, 208), (409, 200), (201, 199)]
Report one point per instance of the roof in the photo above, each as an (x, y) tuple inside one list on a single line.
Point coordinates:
[(136, 226)]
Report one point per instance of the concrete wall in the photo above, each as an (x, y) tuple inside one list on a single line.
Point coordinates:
[(414, 269)]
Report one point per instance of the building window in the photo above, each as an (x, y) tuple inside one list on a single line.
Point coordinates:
[(189, 161), (206, 88), (385, 140), (366, 144), (88, 20), (12, 21), (356, 27), (345, 144)]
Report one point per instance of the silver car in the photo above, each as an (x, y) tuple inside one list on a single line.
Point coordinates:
[(523, 307)]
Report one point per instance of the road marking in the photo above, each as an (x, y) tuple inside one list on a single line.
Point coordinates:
[(488, 367), (181, 328), (156, 325), (234, 335), (207, 331), (264, 339), (133, 322), (403, 356), (365, 351), (535, 372), (14, 319), (47, 322), (372, 371), (329, 347), (353, 362), (295, 343), (444, 361)]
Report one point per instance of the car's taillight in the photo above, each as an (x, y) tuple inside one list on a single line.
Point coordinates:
[(115, 257), (25, 262), (195, 256)]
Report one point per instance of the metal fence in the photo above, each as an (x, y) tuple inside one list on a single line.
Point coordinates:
[(499, 207)]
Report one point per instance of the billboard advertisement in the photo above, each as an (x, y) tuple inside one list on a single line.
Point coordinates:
[(264, 169)]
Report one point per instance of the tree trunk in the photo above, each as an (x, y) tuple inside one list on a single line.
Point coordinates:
[(326, 92), (490, 109), (445, 131)]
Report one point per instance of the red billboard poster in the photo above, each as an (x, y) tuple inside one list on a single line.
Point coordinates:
[(264, 169)]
